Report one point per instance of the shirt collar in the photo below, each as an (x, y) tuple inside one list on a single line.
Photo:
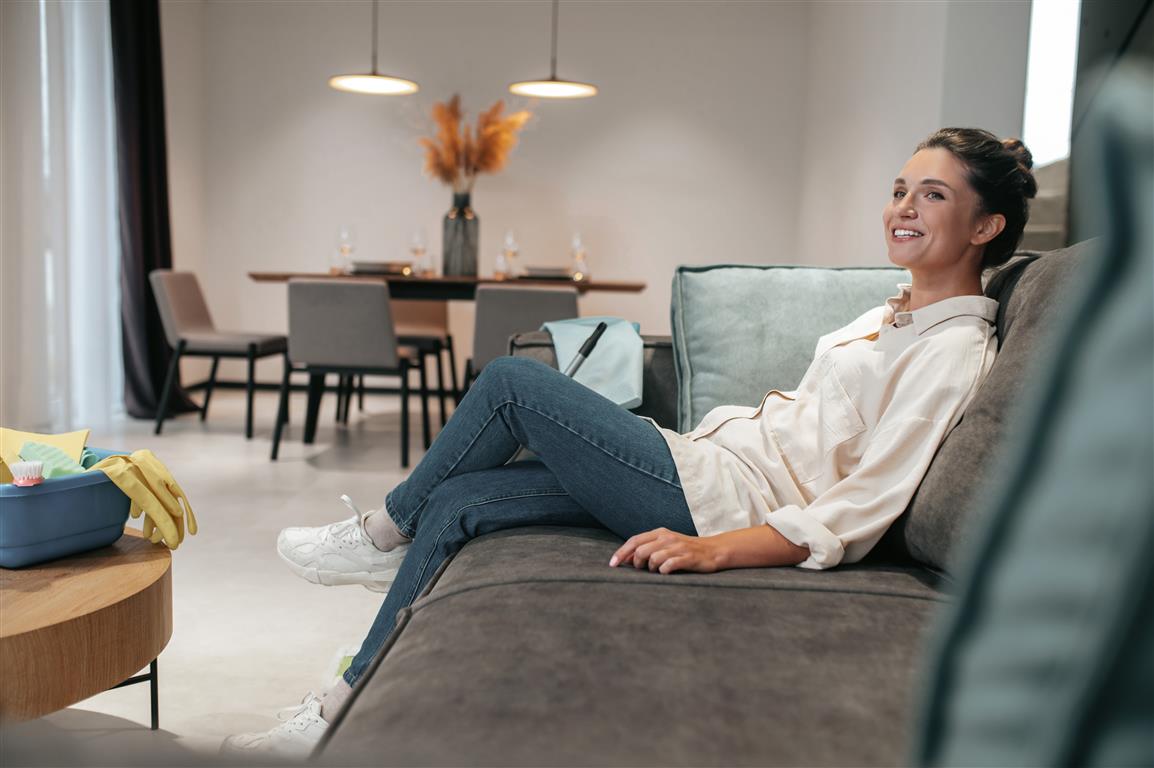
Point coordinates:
[(898, 314)]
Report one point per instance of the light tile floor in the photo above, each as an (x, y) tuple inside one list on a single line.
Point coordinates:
[(249, 637)]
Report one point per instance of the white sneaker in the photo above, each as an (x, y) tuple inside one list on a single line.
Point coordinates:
[(340, 553), (295, 738)]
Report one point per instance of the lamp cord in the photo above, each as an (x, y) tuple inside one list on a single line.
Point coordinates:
[(375, 2), (553, 60)]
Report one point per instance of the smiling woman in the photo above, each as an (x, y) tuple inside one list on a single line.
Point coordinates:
[(959, 207)]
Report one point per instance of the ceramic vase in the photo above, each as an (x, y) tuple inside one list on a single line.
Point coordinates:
[(461, 236)]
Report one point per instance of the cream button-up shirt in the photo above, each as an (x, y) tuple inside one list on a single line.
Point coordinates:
[(834, 463)]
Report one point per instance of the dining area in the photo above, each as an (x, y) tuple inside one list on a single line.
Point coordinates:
[(354, 335)]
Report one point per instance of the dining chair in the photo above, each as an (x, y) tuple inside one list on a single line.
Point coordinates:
[(424, 325), (505, 310), (344, 327), (189, 330)]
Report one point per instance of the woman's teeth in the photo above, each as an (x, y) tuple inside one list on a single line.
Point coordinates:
[(906, 233)]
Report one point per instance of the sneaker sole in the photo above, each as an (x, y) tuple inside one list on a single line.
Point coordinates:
[(375, 581)]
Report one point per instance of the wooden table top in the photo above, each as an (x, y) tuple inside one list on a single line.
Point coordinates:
[(74, 627), (42, 595), (453, 285)]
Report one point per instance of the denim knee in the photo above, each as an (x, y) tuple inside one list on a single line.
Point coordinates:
[(501, 372)]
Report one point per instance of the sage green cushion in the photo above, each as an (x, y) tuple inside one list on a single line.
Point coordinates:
[(739, 331)]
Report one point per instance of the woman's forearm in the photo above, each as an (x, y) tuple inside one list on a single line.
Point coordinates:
[(757, 547)]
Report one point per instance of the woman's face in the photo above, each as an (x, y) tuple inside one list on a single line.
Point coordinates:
[(933, 217)]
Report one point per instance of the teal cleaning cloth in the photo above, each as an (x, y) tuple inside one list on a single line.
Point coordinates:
[(615, 366)]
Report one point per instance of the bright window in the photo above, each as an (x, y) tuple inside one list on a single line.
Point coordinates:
[(1050, 71)]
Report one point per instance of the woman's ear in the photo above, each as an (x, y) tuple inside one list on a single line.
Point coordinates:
[(988, 227)]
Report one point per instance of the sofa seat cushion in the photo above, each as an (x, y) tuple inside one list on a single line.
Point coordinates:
[(529, 650)]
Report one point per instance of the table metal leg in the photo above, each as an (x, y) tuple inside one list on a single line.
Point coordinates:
[(153, 679), (154, 684)]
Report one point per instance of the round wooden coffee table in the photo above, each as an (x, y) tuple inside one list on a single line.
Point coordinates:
[(74, 627)]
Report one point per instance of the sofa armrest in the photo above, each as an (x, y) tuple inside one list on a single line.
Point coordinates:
[(659, 384)]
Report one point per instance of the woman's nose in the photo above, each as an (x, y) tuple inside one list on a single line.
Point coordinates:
[(906, 210)]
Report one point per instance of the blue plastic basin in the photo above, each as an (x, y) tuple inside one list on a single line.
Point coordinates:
[(60, 517)]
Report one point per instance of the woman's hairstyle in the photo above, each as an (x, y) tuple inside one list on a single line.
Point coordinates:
[(999, 172)]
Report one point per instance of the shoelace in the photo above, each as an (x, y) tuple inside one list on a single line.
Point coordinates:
[(289, 714), (347, 532)]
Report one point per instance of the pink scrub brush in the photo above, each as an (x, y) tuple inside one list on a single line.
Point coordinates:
[(27, 473)]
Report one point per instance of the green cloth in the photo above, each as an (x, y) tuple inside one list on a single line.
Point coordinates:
[(56, 462)]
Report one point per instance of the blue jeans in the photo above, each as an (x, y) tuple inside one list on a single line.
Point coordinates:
[(597, 465)]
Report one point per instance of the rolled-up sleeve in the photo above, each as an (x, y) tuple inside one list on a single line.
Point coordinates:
[(845, 522)]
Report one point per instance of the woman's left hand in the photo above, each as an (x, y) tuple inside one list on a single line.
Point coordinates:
[(664, 551)]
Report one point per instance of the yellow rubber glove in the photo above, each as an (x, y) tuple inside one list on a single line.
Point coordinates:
[(154, 493)]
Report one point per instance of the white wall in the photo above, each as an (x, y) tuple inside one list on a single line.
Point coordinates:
[(725, 132), (880, 77)]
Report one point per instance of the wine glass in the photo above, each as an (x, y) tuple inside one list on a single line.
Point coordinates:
[(346, 245), (419, 253)]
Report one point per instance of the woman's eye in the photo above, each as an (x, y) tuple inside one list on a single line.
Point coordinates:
[(899, 194), (935, 196)]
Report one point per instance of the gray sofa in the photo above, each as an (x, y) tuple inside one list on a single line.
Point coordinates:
[(526, 649)]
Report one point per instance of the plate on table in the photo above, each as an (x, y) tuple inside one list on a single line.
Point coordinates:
[(382, 268), (547, 273)]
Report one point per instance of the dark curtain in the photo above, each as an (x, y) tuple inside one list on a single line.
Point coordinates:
[(143, 174)]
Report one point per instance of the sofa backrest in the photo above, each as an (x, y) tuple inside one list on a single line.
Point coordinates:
[(1029, 290), (739, 331)]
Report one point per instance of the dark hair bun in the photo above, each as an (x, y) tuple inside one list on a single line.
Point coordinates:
[(1025, 163), (1018, 150)]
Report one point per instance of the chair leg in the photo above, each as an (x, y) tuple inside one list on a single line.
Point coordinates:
[(250, 390), (350, 384), (361, 393), (340, 397), (208, 387), (469, 376), (441, 382), (169, 383), (425, 432), (457, 393), (316, 390), (281, 411), (404, 413)]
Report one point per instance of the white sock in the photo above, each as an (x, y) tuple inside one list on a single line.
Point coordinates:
[(334, 699), (383, 532)]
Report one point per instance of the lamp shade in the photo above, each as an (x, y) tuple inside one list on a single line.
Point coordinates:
[(373, 84), (552, 88)]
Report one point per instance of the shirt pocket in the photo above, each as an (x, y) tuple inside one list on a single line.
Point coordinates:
[(823, 418)]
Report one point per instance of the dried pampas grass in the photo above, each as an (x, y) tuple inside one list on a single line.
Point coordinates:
[(459, 152)]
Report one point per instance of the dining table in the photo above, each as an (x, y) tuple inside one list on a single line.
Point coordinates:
[(452, 288)]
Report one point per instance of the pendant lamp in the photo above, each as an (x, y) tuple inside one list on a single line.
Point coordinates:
[(374, 83), (552, 87)]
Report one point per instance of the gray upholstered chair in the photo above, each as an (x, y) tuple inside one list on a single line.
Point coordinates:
[(505, 310), (189, 329), (344, 327)]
